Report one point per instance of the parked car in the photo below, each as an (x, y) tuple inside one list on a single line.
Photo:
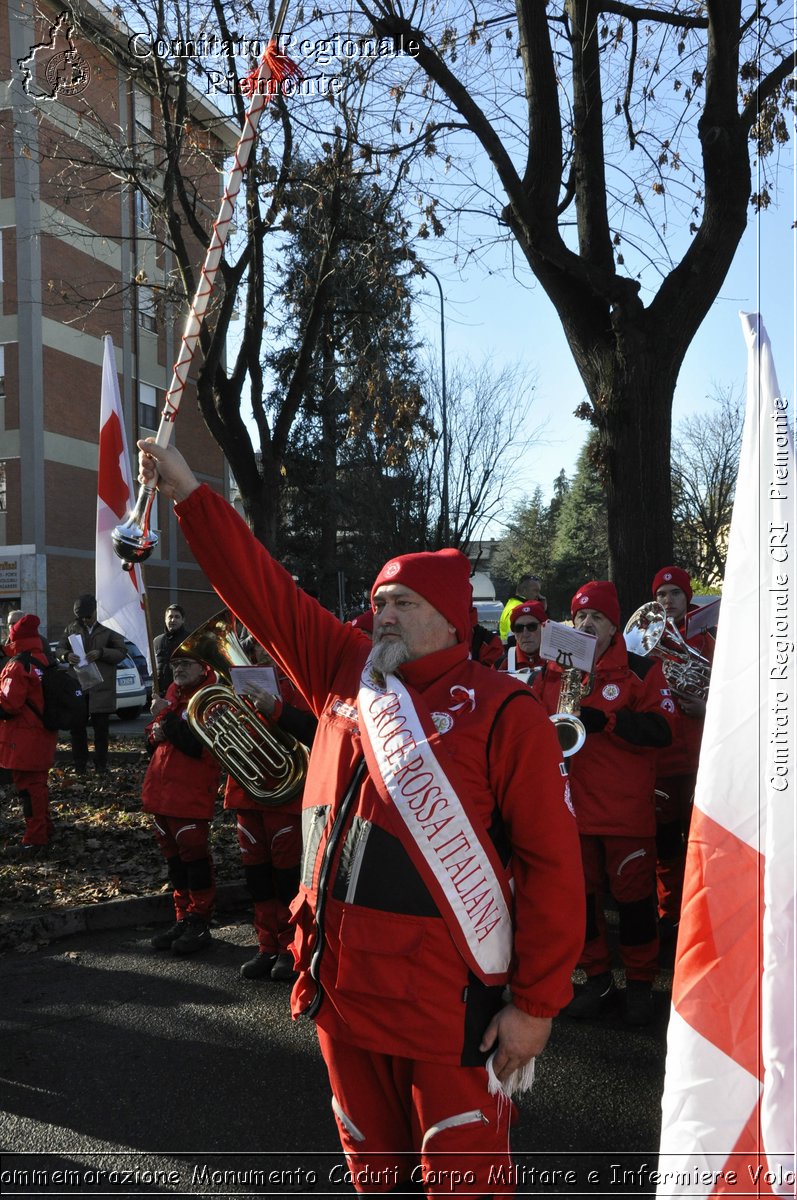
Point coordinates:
[(140, 659), (131, 694)]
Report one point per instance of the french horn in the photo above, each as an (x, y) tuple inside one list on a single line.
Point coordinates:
[(268, 763)]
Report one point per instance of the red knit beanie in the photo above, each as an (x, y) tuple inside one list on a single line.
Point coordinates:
[(442, 577), (529, 608), (24, 633), (599, 594), (676, 577)]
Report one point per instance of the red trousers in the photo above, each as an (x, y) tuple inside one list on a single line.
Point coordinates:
[(31, 787), (183, 842), (674, 796), (402, 1122), (628, 865), (270, 841)]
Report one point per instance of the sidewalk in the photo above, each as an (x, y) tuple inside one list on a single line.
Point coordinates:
[(127, 912)]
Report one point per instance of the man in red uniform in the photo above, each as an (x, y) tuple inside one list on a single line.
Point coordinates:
[(525, 622), (180, 789), (627, 712), (430, 780), (270, 838), (677, 764), (27, 749)]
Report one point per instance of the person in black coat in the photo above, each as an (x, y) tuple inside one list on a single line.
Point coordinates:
[(167, 642)]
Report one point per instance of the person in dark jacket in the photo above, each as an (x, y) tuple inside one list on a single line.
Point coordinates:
[(167, 642), (106, 648)]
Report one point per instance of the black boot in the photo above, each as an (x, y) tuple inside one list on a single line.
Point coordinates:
[(163, 940), (258, 967), (194, 937), (592, 998), (638, 1002)]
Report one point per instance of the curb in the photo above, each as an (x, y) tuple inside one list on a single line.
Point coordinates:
[(124, 913)]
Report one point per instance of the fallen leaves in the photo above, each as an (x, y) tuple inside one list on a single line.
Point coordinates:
[(103, 846)]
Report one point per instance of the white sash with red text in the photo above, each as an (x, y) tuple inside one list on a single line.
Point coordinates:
[(452, 851)]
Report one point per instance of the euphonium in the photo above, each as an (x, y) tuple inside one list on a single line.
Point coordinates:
[(651, 631), (269, 763), (569, 729)]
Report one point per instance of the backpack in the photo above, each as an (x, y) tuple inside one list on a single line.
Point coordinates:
[(64, 699)]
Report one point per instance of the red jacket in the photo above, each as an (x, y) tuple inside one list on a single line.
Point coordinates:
[(391, 977), (25, 745), (182, 778), (681, 758), (612, 777)]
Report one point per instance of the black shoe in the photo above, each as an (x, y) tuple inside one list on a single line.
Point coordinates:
[(258, 967), (283, 970), (638, 1002), (591, 999), (163, 940), (30, 852), (195, 935), (668, 929)]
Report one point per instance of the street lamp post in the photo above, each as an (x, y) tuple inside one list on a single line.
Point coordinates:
[(443, 406)]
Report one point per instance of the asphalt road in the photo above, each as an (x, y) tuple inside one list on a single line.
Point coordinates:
[(139, 1073)]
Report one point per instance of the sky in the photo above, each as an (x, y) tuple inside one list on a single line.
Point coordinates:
[(492, 313)]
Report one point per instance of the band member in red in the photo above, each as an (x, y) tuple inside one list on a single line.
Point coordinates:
[(676, 772), (270, 836), (27, 749), (525, 623), (180, 789), (627, 712), (416, 812)]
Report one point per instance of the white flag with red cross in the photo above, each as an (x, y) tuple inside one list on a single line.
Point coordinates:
[(728, 1125), (120, 599)]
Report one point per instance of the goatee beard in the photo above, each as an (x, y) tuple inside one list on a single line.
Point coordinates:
[(389, 655)]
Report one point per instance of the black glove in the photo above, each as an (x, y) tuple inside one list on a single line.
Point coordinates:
[(593, 720)]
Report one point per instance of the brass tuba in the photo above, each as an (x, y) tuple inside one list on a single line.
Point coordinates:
[(251, 747), (651, 631)]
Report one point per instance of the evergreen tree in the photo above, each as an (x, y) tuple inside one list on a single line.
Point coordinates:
[(348, 501)]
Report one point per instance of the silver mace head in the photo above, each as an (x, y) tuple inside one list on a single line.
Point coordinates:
[(129, 540)]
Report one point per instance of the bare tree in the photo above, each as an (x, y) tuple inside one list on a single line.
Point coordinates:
[(705, 463), (590, 114), (487, 419)]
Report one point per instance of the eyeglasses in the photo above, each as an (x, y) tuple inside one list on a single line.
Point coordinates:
[(532, 625)]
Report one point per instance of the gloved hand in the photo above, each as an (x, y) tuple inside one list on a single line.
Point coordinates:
[(593, 720)]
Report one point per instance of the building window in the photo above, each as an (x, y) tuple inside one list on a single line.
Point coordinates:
[(147, 406), (2, 487), (147, 311), (2, 372), (143, 212), (142, 110)]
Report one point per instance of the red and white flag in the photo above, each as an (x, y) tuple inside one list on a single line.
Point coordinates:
[(728, 1110), (120, 594)]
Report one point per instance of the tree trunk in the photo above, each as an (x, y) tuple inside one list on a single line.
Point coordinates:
[(631, 390)]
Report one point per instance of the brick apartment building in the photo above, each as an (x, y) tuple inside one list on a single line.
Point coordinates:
[(73, 241)]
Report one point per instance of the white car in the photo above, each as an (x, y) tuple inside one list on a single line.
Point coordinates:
[(131, 695)]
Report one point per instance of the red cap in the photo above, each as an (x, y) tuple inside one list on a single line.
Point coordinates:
[(676, 577), (529, 608), (364, 621), (24, 633), (599, 594), (442, 577)]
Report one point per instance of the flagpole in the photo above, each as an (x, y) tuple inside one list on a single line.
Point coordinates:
[(150, 637), (133, 541)]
